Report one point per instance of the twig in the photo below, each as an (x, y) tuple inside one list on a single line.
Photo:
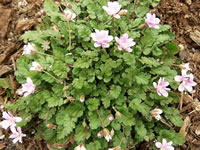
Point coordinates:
[(181, 101)]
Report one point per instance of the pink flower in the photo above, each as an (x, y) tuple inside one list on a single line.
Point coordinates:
[(27, 88), (161, 87), (152, 21), (186, 81), (124, 43), (113, 9), (164, 145), (101, 38), (17, 135), (10, 120)]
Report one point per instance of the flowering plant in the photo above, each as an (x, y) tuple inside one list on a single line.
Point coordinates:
[(100, 76)]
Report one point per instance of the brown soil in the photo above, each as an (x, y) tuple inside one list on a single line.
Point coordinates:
[(184, 18), (17, 16)]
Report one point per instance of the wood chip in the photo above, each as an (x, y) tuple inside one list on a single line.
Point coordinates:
[(186, 124)]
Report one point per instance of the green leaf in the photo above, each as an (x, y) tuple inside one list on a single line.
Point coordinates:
[(4, 83), (140, 129), (142, 78), (54, 101), (172, 48), (149, 61), (115, 91), (94, 146), (171, 135), (129, 59), (173, 115), (137, 105)]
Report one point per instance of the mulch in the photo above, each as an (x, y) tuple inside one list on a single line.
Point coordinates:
[(183, 16)]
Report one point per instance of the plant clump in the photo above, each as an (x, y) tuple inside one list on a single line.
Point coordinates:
[(99, 75)]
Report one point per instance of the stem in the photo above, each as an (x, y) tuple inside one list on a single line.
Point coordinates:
[(53, 77), (113, 24), (43, 54), (108, 21), (70, 40), (165, 122), (169, 64), (52, 22), (100, 119), (192, 112), (122, 137), (181, 101)]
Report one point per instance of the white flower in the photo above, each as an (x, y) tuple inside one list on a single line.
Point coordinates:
[(80, 147), (36, 67), (70, 16), (29, 49), (156, 113), (106, 134), (17, 135)]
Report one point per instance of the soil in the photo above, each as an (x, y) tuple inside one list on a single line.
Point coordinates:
[(183, 16)]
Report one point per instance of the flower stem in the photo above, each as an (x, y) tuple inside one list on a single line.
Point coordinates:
[(181, 101), (100, 119), (69, 31), (53, 77), (44, 54), (113, 24), (108, 21)]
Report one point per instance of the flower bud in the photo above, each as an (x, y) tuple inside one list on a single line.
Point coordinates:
[(84, 124), (112, 132), (123, 12), (69, 6), (82, 99), (28, 118), (43, 13), (110, 117), (99, 134), (106, 134), (118, 114), (51, 126), (55, 28), (142, 26), (71, 98), (153, 11)]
